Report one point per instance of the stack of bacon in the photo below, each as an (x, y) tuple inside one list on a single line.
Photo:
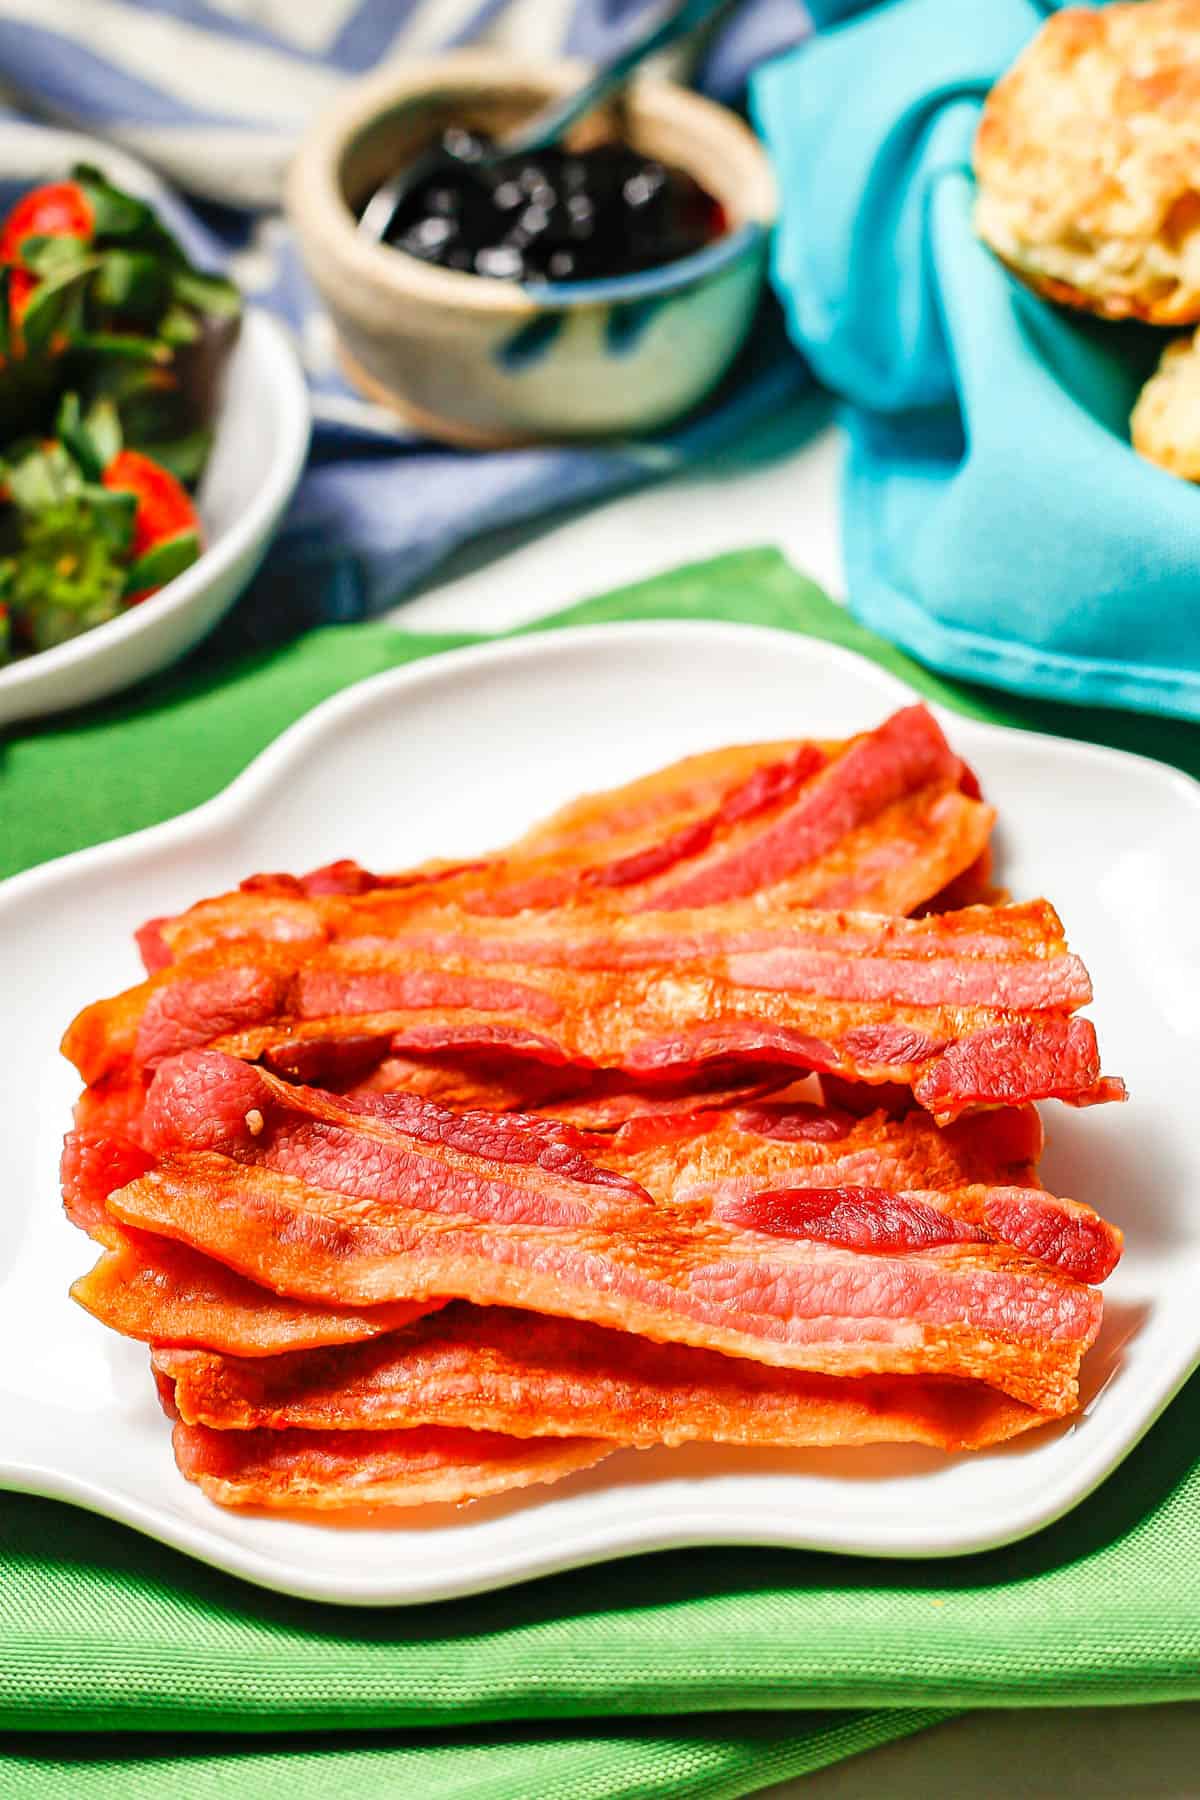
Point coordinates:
[(428, 1186)]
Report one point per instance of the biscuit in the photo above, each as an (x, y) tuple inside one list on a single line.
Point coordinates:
[(1088, 162), (1165, 425)]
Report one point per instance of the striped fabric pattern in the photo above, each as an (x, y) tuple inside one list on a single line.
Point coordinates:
[(213, 96)]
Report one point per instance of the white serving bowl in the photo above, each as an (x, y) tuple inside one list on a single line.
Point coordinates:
[(260, 442), (259, 447)]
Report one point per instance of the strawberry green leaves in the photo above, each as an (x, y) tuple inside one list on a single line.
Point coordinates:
[(89, 528), (112, 351), (66, 572), (100, 297), (93, 440), (161, 564)]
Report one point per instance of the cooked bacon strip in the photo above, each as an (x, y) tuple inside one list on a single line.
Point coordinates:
[(284, 908), (886, 1096), (150, 1288), (103, 1152), (1020, 947), (632, 872), (884, 865), (674, 1149), (881, 822), (967, 1008), (974, 887), (594, 1102), (328, 1204), (497, 1369), (349, 877), (112, 1109), (655, 806), (974, 1181), (757, 1143), (609, 1103), (464, 1083), (899, 858), (857, 1218), (162, 1292), (326, 1471), (777, 826), (93, 1166), (906, 753)]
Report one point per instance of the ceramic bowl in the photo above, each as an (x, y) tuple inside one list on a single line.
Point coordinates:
[(485, 362), (259, 445), (258, 452)]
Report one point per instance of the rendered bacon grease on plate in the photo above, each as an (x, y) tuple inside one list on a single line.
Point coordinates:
[(431, 1185)]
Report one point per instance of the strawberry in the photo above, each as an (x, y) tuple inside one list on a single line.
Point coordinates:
[(20, 292), (166, 529), (61, 210), (92, 530), (164, 507)]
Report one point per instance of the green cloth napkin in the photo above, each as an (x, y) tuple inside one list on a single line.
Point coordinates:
[(685, 1674), (171, 744)]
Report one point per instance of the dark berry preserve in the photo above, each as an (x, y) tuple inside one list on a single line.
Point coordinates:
[(559, 215)]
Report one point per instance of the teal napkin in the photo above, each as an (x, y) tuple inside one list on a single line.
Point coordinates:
[(997, 523)]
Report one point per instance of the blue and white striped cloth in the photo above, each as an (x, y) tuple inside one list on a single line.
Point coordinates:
[(213, 95)]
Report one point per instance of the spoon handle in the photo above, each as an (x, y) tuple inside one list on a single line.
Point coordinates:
[(554, 122)]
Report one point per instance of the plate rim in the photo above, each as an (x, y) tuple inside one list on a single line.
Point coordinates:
[(238, 794), (704, 1523)]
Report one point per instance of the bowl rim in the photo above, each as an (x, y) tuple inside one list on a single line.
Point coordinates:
[(265, 337), (327, 228)]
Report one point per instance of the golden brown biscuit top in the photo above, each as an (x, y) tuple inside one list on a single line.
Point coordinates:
[(1165, 425), (1088, 160)]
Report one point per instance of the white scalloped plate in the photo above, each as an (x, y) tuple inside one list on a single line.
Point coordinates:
[(455, 755)]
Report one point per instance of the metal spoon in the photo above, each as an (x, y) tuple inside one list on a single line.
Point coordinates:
[(549, 125)]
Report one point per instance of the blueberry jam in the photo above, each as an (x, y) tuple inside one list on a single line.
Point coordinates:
[(562, 215)]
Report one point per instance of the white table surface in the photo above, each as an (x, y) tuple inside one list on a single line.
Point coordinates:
[(783, 491)]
